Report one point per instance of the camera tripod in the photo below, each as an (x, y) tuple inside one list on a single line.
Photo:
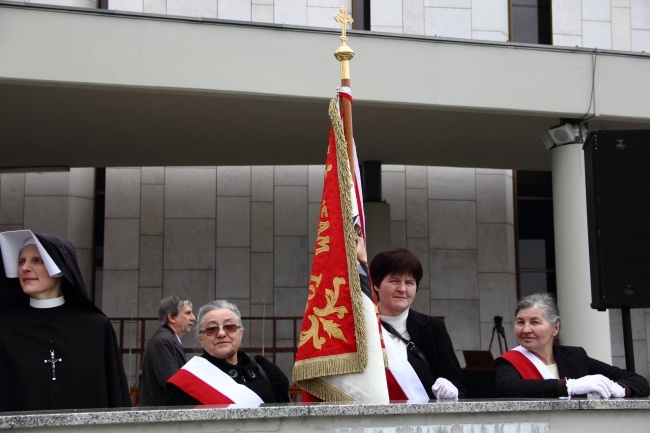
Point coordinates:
[(498, 329)]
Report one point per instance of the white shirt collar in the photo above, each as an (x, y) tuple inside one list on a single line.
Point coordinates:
[(46, 303)]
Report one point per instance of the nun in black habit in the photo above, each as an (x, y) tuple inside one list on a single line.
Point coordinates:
[(57, 349)]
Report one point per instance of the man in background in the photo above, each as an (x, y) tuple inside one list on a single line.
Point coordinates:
[(164, 354)]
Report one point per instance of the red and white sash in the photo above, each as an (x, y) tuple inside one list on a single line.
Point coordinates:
[(527, 364), (402, 371), (209, 385)]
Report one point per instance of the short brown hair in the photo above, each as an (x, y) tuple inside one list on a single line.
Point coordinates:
[(399, 261)]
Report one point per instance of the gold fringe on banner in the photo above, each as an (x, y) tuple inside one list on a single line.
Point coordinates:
[(308, 374)]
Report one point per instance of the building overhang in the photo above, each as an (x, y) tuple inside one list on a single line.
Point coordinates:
[(96, 88)]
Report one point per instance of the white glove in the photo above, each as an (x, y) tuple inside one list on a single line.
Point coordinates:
[(595, 383), (444, 389), (617, 390)]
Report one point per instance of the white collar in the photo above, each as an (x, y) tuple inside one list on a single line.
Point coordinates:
[(398, 322), (46, 303)]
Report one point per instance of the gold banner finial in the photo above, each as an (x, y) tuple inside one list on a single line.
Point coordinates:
[(343, 18), (344, 53)]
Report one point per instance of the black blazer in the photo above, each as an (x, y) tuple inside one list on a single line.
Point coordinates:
[(572, 363), (431, 336)]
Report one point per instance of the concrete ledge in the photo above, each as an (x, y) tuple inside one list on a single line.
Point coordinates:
[(526, 415)]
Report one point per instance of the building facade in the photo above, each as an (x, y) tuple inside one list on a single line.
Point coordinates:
[(246, 233)]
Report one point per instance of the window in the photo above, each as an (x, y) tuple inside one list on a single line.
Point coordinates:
[(534, 227), (530, 21)]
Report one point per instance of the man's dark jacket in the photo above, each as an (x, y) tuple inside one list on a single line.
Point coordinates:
[(163, 357)]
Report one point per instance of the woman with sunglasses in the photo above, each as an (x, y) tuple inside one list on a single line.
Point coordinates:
[(224, 374)]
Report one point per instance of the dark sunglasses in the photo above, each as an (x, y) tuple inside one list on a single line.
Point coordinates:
[(230, 328)]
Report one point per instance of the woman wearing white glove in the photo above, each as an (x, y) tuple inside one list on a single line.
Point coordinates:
[(444, 389), (420, 353), (539, 367)]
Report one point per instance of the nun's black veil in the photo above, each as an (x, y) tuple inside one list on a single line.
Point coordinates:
[(72, 284), (93, 385)]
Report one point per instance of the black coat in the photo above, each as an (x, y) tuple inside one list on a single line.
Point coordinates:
[(90, 373), (572, 363), (430, 335), (163, 356)]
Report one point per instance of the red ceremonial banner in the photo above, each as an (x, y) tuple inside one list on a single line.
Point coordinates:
[(340, 337)]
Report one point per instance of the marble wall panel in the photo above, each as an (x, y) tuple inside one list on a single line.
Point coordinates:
[(151, 261), (118, 294), (233, 222), (12, 198), (196, 285), (233, 273), (290, 12), (261, 276), (495, 248), (451, 183), (417, 218), (47, 214), (190, 192), (596, 10), (290, 211), (189, 244), (454, 274), (82, 182), (122, 244), (393, 190), (567, 18), (494, 199), (155, 6), (261, 227), (621, 29), (448, 22), (498, 296), (122, 193), (262, 183), (80, 223), (640, 13), (152, 209), (236, 10), (234, 181), (413, 17), (597, 34), (290, 266), (47, 183), (386, 13), (262, 13), (192, 8), (452, 224), (153, 175)]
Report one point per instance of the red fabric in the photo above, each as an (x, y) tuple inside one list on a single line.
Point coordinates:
[(308, 398), (329, 269), (198, 389), (395, 392), (524, 366)]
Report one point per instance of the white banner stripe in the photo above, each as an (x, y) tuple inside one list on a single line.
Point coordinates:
[(541, 367), (402, 370), (222, 382)]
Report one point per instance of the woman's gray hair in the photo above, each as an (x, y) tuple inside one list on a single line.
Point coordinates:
[(219, 304), (544, 302)]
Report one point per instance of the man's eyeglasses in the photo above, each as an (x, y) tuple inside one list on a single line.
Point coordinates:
[(211, 331)]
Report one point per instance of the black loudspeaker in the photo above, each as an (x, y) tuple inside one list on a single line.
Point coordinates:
[(617, 171)]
